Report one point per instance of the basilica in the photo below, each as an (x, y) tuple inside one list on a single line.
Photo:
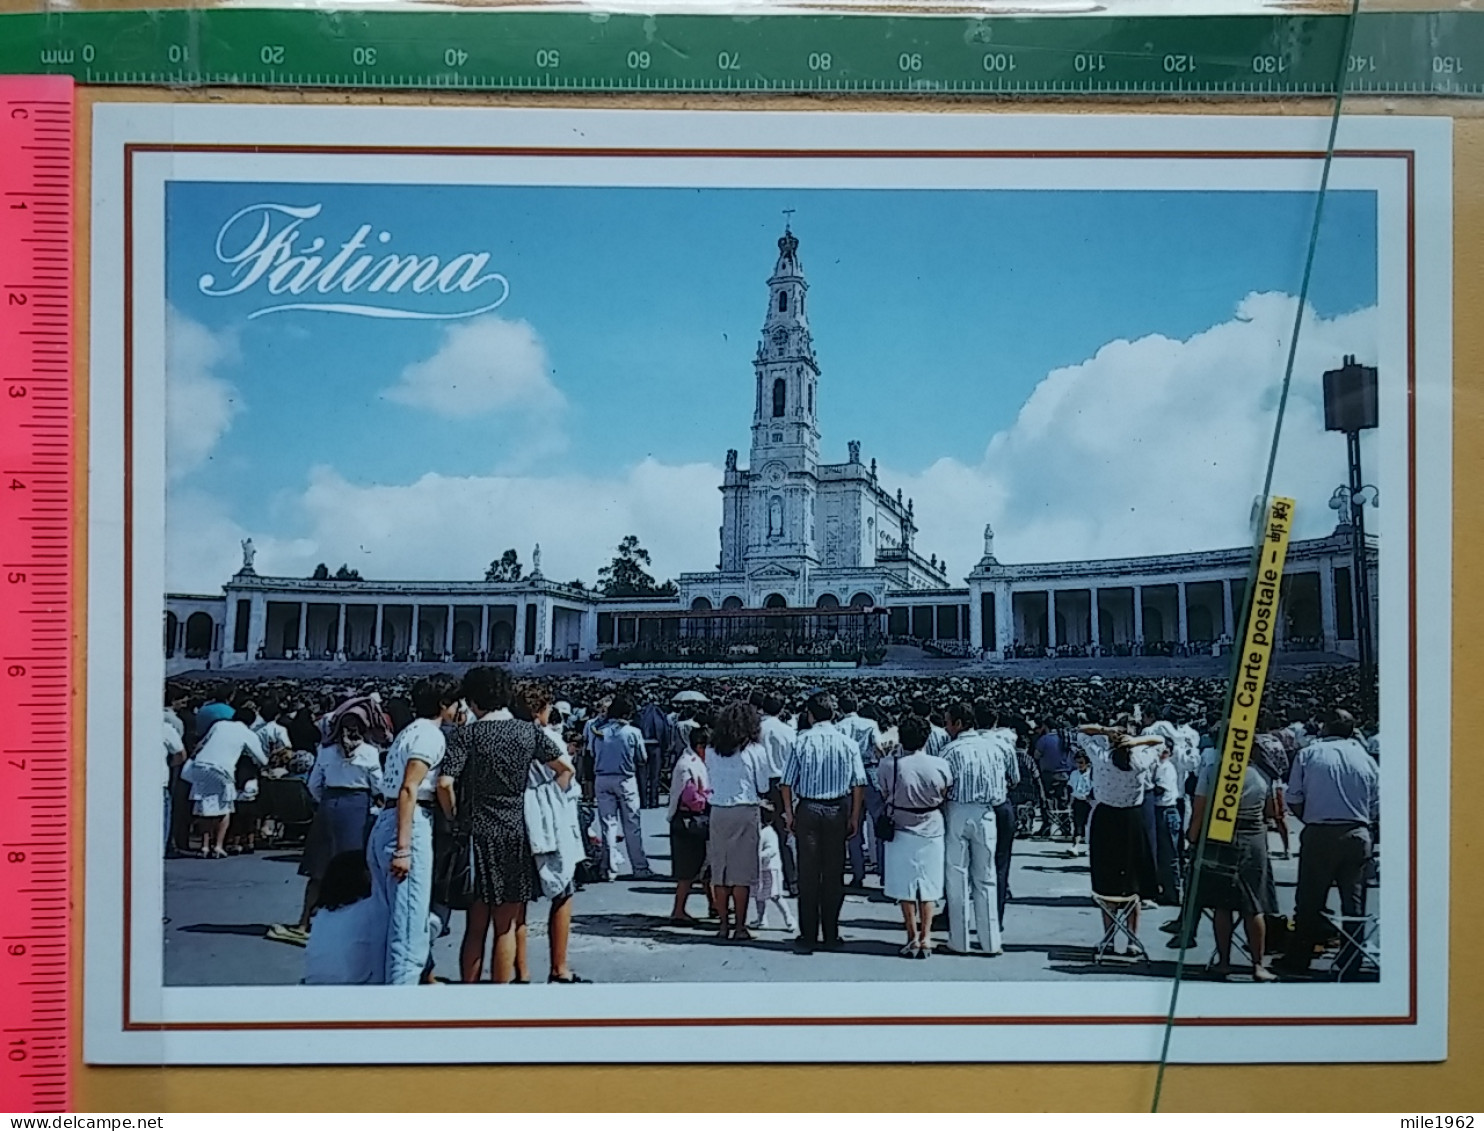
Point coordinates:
[(818, 563), (794, 531)]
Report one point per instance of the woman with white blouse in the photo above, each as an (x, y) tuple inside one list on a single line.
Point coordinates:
[(739, 769), (914, 786), (1121, 858), (690, 790), (345, 779), (400, 850)]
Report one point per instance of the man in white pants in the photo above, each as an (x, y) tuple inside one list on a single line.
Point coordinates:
[(618, 752), (980, 782)]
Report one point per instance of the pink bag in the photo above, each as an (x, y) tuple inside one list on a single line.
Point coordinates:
[(694, 799)]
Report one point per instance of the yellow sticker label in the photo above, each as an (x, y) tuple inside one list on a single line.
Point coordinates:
[(1252, 673)]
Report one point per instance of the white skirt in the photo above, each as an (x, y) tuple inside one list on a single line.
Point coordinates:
[(914, 867), (213, 793)]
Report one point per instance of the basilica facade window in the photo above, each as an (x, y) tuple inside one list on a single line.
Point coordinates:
[(780, 396)]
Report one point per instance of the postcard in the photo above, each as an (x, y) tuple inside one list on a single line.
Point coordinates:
[(764, 586)]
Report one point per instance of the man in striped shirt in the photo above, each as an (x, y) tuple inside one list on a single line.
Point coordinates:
[(981, 781), (823, 789), (988, 722)]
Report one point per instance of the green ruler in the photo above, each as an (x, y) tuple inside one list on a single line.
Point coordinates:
[(1440, 53)]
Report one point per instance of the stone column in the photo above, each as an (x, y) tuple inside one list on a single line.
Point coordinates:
[(976, 618), (1138, 614), (1004, 618), (340, 627), (448, 633), (303, 626), (1327, 612), (376, 637), (484, 631), (518, 644), (257, 625), (416, 625), (1182, 612), (590, 643), (1094, 625), (1051, 618), (1228, 615)]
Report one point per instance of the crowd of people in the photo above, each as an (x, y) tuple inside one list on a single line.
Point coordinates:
[(482, 795)]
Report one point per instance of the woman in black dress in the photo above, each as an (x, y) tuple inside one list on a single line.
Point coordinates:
[(482, 785)]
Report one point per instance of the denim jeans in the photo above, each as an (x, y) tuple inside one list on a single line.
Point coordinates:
[(1167, 853), (865, 836), (403, 905)]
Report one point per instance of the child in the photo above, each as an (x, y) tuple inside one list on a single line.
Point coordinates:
[(346, 948), (1080, 784), (769, 889)]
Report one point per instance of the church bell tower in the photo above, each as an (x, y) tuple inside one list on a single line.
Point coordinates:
[(784, 421), (785, 432)]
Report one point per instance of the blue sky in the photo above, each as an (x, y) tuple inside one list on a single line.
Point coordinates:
[(935, 315)]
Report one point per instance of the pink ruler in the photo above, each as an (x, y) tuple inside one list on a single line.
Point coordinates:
[(37, 431)]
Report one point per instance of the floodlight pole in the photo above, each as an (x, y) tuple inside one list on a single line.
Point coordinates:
[(1360, 568)]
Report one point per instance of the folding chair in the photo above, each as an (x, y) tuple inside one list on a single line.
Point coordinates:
[(1119, 909), (1240, 947), (1360, 950)]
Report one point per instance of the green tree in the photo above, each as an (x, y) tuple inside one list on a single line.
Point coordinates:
[(506, 568), (626, 576), (321, 573), (345, 573)]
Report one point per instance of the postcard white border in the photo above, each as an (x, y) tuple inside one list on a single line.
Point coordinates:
[(644, 1035)]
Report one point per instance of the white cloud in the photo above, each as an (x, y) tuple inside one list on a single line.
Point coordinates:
[(482, 366), (443, 527), (203, 545), (1150, 446), (199, 405)]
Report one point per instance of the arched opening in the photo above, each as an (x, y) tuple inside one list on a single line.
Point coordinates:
[(199, 631), (1154, 626), (172, 629), (862, 601), (700, 605), (775, 601), (1199, 624), (782, 302), (733, 602), (811, 398), (502, 638), (463, 640), (780, 396), (827, 601)]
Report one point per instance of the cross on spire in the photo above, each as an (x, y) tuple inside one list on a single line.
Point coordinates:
[(788, 217)]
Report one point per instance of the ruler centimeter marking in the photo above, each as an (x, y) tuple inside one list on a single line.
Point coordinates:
[(36, 437), (1393, 53)]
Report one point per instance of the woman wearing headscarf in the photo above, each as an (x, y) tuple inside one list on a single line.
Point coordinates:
[(345, 779), (690, 792)]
